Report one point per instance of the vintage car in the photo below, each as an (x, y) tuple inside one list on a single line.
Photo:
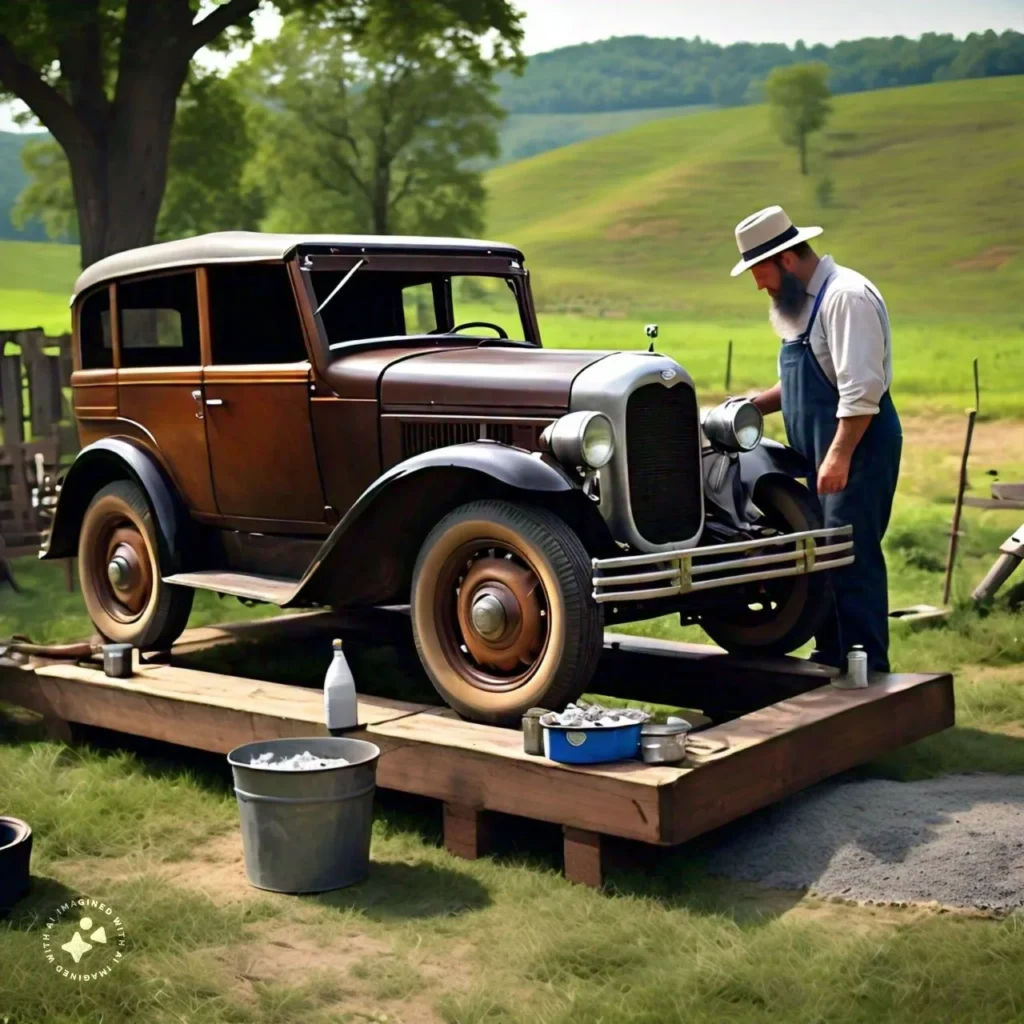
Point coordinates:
[(312, 420)]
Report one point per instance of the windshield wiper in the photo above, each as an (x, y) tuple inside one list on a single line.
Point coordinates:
[(337, 288)]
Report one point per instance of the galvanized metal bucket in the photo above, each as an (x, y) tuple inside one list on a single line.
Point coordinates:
[(306, 831)]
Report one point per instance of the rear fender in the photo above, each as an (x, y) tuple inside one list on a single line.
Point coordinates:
[(369, 556), (101, 463)]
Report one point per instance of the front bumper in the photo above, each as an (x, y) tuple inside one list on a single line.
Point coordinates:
[(673, 573)]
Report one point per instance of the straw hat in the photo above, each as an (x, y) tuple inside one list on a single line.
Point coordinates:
[(765, 233)]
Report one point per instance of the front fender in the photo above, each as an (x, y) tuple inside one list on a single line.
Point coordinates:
[(731, 480), (369, 555), (99, 464)]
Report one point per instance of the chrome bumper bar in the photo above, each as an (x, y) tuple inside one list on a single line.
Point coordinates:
[(672, 573)]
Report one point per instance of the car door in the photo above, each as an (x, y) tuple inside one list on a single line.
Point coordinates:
[(159, 378), (256, 400)]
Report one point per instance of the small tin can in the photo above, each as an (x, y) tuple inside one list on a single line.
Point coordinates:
[(533, 732), (857, 666), (117, 660), (856, 675)]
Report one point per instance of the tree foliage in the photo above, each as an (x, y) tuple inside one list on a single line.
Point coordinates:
[(799, 101), (375, 130), (636, 72), (210, 147), (104, 76)]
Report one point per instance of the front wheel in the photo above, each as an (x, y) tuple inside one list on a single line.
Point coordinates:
[(785, 613), (502, 612)]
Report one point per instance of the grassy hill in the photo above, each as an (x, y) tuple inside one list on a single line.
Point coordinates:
[(928, 200)]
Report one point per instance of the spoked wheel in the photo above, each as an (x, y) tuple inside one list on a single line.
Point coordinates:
[(779, 615), (502, 614), (119, 572)]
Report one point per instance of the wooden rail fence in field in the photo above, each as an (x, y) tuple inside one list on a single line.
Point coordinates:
[(38, 431)]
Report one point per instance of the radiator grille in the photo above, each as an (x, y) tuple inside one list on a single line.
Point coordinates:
[(426, 436), (663, 452)]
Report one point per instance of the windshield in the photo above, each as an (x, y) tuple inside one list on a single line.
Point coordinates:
[(387, 304)]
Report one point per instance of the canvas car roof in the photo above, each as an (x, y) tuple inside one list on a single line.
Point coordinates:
[(246, 246)]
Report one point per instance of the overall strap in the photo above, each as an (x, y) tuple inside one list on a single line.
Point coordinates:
[(805, 338)]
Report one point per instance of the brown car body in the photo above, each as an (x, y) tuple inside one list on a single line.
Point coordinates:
[(261, 420)]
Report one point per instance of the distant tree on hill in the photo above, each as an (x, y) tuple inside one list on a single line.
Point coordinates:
[(799, 101), (375, 133)]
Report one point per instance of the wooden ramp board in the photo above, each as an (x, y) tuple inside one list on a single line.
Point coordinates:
[(766, 754)]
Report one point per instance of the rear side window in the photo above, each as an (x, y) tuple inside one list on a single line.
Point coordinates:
[(159, 321), (253, 317), (94, 332)]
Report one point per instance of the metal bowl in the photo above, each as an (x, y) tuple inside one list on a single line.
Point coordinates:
[(663, 743)]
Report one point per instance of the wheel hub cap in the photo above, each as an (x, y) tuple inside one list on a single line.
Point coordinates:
[(489, 616), (119, 572)]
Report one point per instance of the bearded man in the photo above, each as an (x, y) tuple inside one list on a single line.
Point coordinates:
[(835, 371)]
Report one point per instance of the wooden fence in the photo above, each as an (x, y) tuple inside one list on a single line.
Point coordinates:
[(39, 435)]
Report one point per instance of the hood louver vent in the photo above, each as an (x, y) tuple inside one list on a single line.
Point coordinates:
[(425, 437)]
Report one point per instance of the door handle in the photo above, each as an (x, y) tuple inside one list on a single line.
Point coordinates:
[(215, 401), (198, 396)]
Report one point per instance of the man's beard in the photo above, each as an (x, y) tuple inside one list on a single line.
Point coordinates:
[(787, 305)]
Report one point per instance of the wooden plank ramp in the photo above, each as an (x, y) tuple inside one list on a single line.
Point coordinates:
[(777, 728)]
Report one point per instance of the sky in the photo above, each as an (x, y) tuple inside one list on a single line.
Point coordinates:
[(550, 24)]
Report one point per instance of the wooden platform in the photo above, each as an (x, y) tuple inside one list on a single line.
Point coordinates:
[(778, 727)]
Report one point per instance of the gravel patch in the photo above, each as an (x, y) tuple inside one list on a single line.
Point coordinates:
[(956, 840)]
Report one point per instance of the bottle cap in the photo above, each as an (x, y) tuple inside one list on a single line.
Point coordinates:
[(336, 644)]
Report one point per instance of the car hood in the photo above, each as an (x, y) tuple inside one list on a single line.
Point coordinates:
[(486, 378)]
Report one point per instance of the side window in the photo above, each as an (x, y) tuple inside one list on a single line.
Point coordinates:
[(94, 332), (253, 318), (418, 306), (159, 321)]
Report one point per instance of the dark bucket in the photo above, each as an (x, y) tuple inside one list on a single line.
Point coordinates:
[(15, 855), (306, 831)]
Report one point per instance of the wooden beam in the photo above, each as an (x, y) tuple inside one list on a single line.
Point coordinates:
[(583, 860), (781, 749), (467, 831)]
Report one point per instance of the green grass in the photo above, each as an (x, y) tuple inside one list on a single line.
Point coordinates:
[(526, 135), (927, 203)]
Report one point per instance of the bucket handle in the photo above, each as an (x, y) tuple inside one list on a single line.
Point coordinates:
[(266, 799)]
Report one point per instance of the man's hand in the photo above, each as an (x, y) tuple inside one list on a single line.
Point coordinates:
[(834, 473)]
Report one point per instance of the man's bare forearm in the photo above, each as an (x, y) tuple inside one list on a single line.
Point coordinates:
[(848, 434), (771, 400)]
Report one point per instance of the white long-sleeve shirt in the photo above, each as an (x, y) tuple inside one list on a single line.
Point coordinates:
[(851, 337)]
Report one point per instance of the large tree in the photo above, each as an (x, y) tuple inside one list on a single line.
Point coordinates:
[(382, 131), (104, 77), (206, 187)]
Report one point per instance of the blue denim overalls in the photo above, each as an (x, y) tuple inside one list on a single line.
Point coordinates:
[(809, 405)]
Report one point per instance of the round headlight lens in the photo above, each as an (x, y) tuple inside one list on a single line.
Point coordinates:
[(748, 425), (598, 442), (581, 438)]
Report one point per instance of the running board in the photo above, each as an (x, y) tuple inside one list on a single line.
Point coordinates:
[(277, 590)]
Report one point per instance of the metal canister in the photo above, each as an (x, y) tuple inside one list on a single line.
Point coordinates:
[(117, 660), (664, 743), (857, 666), (533, 732)]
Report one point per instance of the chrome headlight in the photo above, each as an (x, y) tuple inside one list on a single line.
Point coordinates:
[(581, 439), (734, 426)]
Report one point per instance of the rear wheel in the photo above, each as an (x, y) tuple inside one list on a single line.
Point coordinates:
[(783, 614), (119, 572), (502, 614)]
